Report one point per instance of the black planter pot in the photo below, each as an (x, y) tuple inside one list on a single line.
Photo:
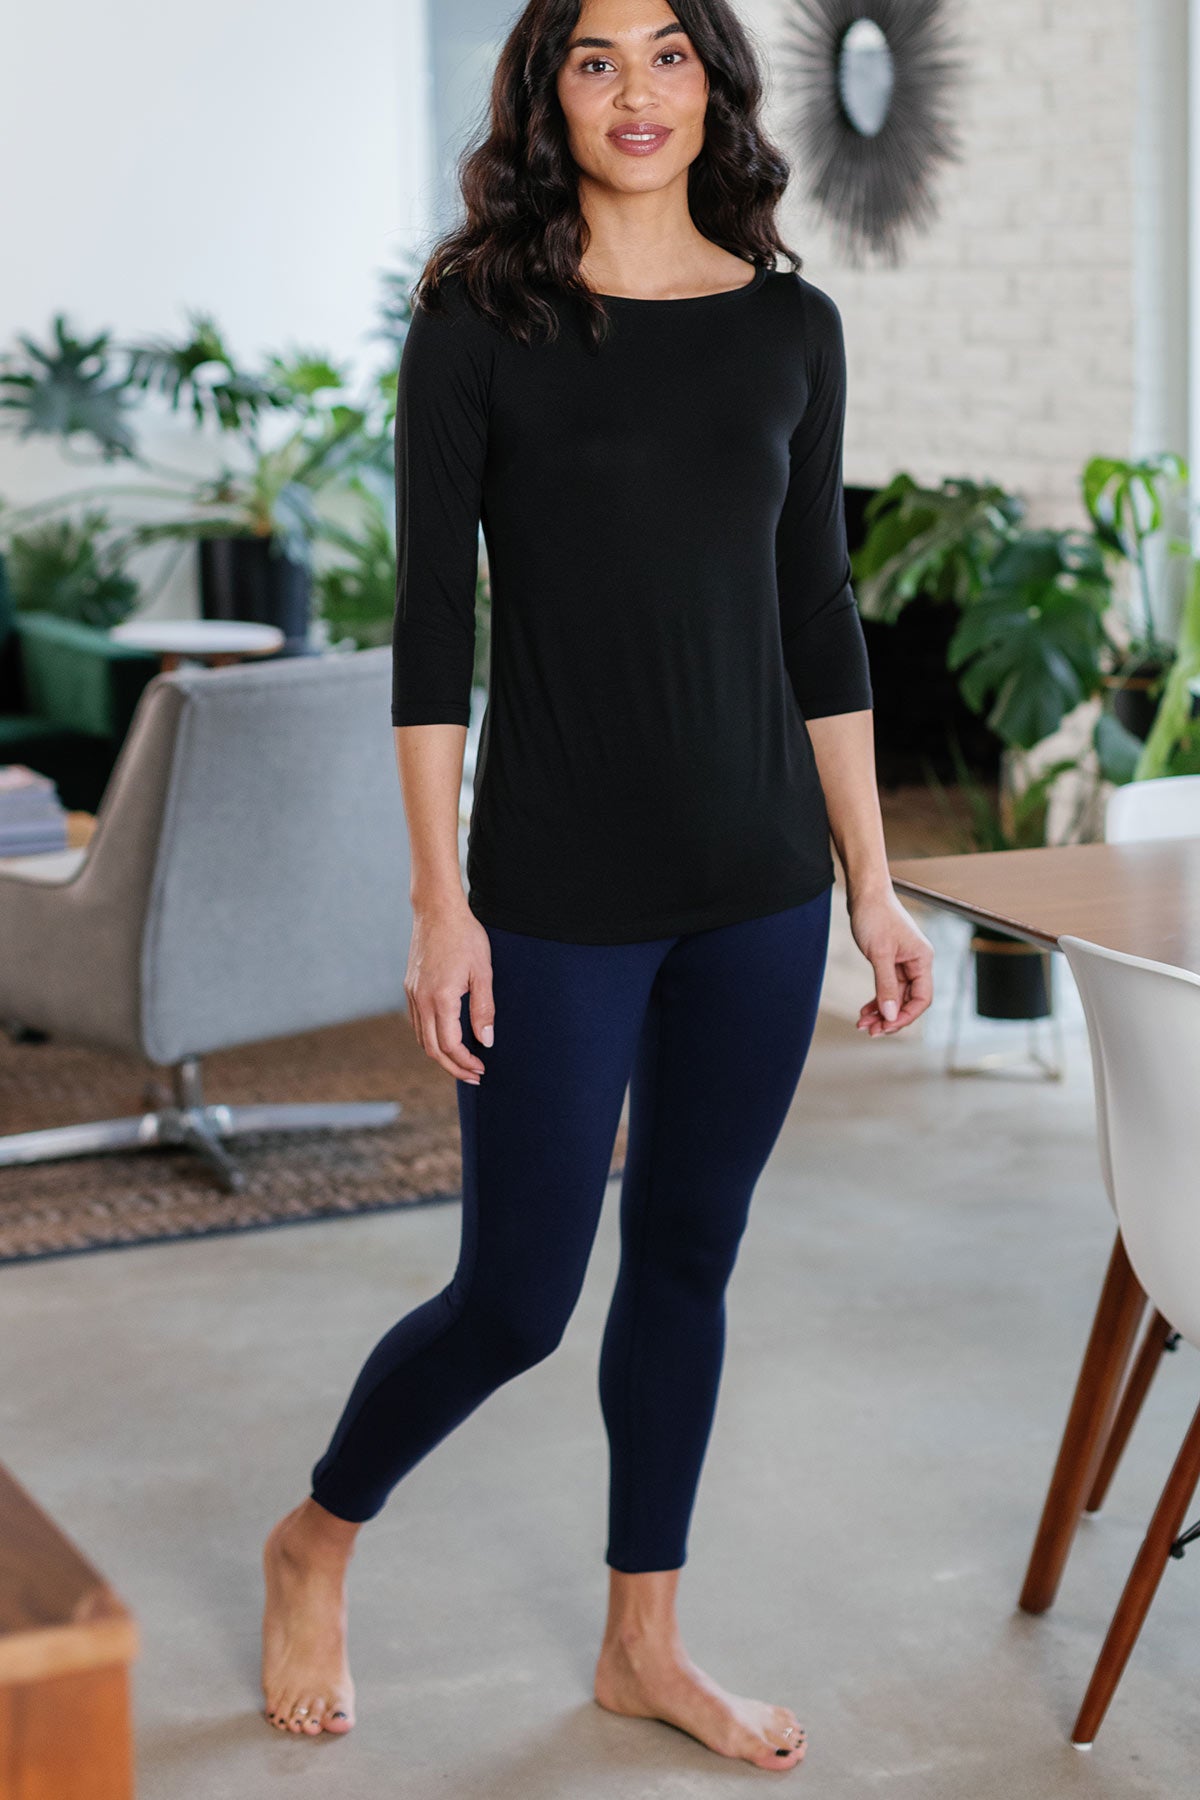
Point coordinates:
[(1132, 703), (240, 578), (1012, 978)]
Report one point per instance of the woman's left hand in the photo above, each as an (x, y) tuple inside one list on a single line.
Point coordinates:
[(900, 954)]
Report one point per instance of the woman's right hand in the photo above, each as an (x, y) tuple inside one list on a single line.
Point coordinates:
[(450, 954)]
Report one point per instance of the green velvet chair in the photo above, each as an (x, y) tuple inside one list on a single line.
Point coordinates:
[(67, 697)]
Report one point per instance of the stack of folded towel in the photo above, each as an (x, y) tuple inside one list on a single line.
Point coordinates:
[(32, 817)]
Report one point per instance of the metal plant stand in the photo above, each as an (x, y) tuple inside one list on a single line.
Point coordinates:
[(1030, 1064)]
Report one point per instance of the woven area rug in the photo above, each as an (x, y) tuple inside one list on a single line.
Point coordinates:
[(146, 1196), (92, 1203)]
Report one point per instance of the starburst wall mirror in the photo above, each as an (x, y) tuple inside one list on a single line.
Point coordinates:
[(869, 84)]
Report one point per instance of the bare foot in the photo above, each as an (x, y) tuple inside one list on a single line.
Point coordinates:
[(305, 1673), (654, 1678)]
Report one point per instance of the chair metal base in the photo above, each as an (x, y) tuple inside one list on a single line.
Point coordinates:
[(190, 1122)]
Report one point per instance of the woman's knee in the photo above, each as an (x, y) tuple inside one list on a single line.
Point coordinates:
[(516, 1333), (697, 1252)]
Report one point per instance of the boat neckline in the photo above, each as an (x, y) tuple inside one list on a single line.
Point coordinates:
[(748, 287)]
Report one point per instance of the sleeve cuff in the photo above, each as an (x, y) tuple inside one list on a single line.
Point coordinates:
[(845, 703), (448, 714)]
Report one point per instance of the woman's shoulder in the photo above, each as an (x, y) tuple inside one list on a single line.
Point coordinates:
[(448, 300), (446, 327), (815, 305), (814, 313)]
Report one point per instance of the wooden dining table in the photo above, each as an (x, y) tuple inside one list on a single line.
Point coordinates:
[(1142, 898)]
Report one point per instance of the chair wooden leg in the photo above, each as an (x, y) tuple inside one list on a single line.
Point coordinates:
[(1158, 1334), (1089, 1421), (1141, 1586)]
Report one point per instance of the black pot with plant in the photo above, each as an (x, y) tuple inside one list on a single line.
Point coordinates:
[(1030, 649), (306, 453), (1031, 642), (252, 578), (257, 525), (1025, 645), (1013, 977), (1127, 504)]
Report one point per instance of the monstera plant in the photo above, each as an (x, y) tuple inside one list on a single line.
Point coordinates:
[(1030, 645), (931, 541)]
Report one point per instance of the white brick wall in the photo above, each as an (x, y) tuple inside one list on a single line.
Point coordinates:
[(1004, 346)]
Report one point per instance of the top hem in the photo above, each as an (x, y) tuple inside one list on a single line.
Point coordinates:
[(702, 919)]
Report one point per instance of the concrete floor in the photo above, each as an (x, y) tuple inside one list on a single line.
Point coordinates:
[(905, 1323)]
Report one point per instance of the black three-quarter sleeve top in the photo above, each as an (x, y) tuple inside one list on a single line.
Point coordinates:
[(670, 593)]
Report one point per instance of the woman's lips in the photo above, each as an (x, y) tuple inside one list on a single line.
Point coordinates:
[(639, 140)]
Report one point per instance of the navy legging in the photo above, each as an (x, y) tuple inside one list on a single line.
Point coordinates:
[(710, 1030)]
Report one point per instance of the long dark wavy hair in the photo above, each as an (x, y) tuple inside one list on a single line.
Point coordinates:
[(523, 227)]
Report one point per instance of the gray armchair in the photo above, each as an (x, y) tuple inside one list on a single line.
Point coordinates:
[(247, 878)]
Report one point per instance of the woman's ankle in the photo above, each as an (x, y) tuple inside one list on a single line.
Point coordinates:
[(638, 1637), (312, 1528), (641, 1611)]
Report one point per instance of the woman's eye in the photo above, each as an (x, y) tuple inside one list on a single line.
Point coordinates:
[(593, 61)]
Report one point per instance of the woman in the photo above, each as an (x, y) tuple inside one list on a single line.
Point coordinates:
[(647, 417)]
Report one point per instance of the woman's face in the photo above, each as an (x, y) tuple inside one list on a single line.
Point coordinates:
[(629, 63)]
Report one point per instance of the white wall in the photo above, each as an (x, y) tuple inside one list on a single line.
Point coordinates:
[(259, 159)]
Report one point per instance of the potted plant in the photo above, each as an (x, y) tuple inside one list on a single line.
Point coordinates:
[(74, 569), (1012, 976), (257, 521), (1030, 649), (307, 454), (1125, 501), (1031, 643), (1172, 746), (257, 527)]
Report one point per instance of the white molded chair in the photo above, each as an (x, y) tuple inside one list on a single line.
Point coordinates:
[(1167, 807), (1143, 1021), (1114, 1377), (1164, 808)]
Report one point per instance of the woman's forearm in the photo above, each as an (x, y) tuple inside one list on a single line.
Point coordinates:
[(430, 762), (844, 746)]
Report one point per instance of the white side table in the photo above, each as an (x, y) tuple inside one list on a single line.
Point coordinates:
[(214, 641)]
